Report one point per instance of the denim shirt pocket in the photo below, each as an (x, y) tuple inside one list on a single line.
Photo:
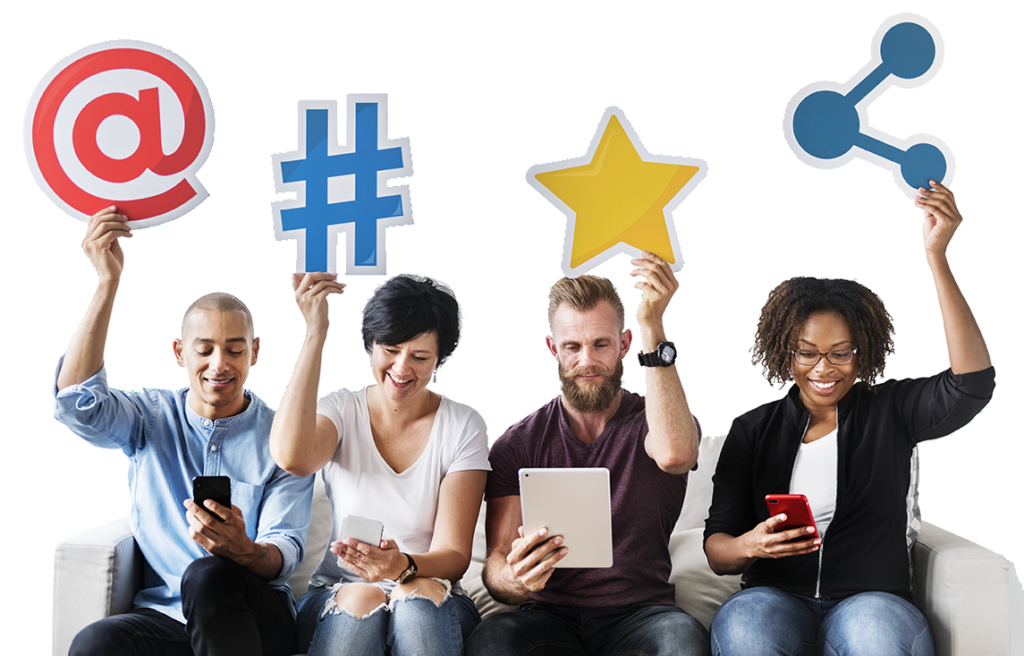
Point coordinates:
[(248, 498)]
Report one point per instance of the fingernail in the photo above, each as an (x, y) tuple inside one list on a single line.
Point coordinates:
[(542, 532)]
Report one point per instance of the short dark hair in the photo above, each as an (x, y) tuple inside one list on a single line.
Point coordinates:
[(220, 302), (407, 306), (788, 307)]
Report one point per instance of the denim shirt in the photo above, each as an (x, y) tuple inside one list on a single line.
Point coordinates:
[(167, 444)]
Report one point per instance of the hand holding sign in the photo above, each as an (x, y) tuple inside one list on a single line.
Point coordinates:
[(100, 126), (101, 243)]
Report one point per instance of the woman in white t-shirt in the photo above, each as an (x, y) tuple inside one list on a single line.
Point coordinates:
[(394, 452)]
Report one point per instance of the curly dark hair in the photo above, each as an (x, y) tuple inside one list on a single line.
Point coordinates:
[(788, 307)]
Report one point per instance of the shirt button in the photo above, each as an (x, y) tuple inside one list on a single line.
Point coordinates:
[(206, 422), (213, 447)]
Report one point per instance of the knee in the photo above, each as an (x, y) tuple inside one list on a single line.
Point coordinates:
[(422, 588), (492, 635), (94, 640), (209, 573), (739, 626), (673, 631), (356, 599), (870, 624), (741, 613)]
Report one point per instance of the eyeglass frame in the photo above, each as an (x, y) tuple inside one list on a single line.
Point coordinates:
[(828, 356)]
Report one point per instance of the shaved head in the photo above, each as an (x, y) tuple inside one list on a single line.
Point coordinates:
[(218, 302)]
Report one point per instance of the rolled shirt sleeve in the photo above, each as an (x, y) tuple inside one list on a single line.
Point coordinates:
[(168, 444)]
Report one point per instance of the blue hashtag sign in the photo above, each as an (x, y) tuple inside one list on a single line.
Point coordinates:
[(342, 188)]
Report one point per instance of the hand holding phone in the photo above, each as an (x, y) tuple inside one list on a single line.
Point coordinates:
[(217, 488), (368, 531), (797, 511)]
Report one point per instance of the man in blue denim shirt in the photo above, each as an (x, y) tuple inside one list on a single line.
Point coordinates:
[(210, 586)]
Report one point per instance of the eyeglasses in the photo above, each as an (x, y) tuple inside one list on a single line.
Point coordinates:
[(811, 358)]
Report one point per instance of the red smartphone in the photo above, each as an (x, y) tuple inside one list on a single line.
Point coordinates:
[(798, 511)]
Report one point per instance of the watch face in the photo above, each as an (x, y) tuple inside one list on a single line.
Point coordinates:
[(668, 353)]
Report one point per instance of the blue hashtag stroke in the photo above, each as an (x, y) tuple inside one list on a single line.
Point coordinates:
[(318, 165)]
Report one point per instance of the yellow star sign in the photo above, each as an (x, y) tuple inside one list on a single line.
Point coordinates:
[(617, 194)]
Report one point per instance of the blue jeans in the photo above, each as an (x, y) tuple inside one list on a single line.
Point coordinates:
[(766, 621), (406, 627), (542, 630)]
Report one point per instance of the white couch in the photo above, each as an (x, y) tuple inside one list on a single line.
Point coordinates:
[(961, 587)]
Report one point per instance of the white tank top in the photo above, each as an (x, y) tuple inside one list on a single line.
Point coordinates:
[(815, 476)]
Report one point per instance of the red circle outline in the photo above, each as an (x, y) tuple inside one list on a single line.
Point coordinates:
[(44, 120)]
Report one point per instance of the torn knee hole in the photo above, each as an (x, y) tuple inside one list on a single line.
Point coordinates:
[(333, 608), (438, 592)]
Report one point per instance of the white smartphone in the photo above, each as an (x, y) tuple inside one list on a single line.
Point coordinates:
[(367, 531)]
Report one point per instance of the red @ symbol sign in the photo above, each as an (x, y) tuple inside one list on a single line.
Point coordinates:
[(121, 123)]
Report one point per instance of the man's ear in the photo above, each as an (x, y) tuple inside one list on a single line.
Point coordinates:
[(551, 345), (255, 350), (178, 348), (627, 339)]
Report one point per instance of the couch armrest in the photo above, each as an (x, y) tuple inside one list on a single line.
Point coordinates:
[(96, 573), (963, 589)]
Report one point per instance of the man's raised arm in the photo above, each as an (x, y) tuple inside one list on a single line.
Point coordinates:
[(84, 356), (672, 438)]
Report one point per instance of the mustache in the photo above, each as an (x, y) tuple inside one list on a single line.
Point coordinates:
[(576, 372)]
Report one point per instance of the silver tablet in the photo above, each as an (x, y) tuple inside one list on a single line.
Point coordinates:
[(574, 503)]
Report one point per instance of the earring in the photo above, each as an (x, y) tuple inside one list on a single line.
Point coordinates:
[(435, 375)]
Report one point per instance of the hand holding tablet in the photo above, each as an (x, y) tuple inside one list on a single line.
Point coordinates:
[(573, 504)]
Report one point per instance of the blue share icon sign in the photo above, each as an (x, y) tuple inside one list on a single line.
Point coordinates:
[(826, 124)]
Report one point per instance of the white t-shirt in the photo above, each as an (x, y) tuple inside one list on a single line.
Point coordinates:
[(815, 474), (360, 482)]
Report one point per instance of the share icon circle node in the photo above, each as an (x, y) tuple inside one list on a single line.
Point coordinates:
[(826, 124)]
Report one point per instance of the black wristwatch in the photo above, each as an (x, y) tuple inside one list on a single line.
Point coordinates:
[(410, 571), (664, 355)]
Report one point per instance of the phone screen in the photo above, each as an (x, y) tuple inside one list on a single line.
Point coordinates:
[(217, 488)]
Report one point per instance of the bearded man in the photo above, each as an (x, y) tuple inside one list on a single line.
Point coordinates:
[(648, 445)]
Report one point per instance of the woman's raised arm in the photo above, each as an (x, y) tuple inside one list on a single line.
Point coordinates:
[(302, 441)]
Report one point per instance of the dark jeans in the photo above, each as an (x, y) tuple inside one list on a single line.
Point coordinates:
[(228, 609), (541, 630)]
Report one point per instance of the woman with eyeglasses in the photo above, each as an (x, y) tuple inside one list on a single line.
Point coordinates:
[(850, 448)]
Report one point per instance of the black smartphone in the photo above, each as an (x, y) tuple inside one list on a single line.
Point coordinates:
[(217, 488)]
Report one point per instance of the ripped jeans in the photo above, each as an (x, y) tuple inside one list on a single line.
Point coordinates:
[(414, 625)]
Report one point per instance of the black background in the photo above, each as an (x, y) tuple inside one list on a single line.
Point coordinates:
[(483, 103)]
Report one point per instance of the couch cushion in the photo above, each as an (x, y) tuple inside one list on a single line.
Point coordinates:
[(699, 591), (698, 488)]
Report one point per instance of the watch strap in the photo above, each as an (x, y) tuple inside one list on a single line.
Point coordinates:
[(657, 357), (410, 571)]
